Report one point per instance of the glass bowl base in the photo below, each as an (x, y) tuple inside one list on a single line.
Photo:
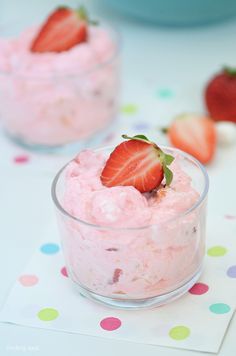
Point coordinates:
[(138, 304), (69, 148)]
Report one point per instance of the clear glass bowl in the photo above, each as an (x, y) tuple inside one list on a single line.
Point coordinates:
[(54, 110), (134, 268)]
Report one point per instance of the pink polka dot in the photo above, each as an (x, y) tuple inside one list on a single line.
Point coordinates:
[(199, 288), (64, 272), (21, 159), (28, 280), (110, 323), (230, 217)]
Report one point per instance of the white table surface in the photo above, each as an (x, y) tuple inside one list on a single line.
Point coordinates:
[(152, 57)]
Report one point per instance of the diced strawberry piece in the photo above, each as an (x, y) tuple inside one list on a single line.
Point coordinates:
[(63, 29), (194, 135), (138, 163), (116, 275)]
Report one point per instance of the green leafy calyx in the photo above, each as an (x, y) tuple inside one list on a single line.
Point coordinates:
[(230, 71), (83, 15), (137, 138), (164, 130)]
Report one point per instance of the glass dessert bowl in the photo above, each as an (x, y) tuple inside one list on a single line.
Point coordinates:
[(49, 100), (129, 249)]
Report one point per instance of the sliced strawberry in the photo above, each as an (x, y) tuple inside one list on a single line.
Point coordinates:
[(63, 29), (138, 163), (194, 135)]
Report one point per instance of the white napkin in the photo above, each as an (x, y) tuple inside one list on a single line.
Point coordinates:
[(43, 297)]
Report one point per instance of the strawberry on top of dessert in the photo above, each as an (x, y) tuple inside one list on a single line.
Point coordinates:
[(139, 163), (63, 29)]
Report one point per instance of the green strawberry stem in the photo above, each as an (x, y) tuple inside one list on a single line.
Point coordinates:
[(168, 175), (138, 138), (164, 130), (83, 15), (230, 71), (165, 158)]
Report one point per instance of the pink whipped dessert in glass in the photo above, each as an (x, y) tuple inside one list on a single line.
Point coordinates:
[(52, 98), (128, 248)]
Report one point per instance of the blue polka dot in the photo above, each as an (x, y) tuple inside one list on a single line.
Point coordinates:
[(219, 308), (141, 126), (165, 93), (49, 248)]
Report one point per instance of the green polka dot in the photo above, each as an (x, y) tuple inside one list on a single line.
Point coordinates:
[(179, 332), (216, 251), (129, 109), (165, 93), (48, 314), (219, 308)]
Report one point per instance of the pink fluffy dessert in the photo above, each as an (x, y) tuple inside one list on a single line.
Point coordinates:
[(57, 98), (138, 245)]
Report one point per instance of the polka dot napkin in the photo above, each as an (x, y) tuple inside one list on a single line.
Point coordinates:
[(44, 297)]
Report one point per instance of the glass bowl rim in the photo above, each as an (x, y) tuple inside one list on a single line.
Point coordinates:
[(111, 228), (117, 39)]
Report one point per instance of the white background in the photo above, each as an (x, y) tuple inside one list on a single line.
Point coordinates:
[(152, 57)]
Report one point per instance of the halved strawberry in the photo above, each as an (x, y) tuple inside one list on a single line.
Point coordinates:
[(139, 163), (194, 135), (63, 29)]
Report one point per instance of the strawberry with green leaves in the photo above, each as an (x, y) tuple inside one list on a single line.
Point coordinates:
[(137, 162), (220, 95)]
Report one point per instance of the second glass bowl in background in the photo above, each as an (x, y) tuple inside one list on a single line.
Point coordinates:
[(55, 109)]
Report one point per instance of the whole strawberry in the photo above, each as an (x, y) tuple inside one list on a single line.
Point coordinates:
[(137, 162), (220, 95)]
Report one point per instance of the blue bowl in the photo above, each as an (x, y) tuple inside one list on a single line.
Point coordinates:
[(177, 12)]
